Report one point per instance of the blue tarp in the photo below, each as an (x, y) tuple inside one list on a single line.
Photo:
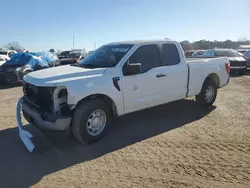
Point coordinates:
[(34, 59)]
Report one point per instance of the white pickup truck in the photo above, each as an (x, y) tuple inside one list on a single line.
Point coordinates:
[(116, 79)]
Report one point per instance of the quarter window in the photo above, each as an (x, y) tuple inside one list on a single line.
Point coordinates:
[(170, 54)]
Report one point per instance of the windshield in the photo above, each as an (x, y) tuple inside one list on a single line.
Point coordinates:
[(227, 53), (74, 55), (106, 56), (3, 53)]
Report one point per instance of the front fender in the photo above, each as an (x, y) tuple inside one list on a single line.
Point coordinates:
[(78, 92)]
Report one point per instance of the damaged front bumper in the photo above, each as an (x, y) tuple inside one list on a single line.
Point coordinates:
[(56, 123), (24, 135)]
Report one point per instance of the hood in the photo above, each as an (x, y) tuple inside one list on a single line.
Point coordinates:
[(236, 59), (61, 74)]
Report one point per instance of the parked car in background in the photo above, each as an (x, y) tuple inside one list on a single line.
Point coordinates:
[(73, 57), (237, 62), (9, 53), (13, 70), (189, 53), (242, 51), (198, 53), (246, 55), (63, 54), (116, 79), (3, 59)]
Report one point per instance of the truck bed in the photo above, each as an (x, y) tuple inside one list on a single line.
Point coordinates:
[(199, 59)]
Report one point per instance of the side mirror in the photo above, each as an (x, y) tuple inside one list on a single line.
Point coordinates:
[(132, 68)]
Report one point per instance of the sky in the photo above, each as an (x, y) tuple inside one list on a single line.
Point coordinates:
[(44, 24)]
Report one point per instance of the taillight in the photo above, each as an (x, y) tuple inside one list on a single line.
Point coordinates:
[(227, 65)]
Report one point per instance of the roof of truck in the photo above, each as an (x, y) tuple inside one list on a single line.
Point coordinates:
[(141, 41)]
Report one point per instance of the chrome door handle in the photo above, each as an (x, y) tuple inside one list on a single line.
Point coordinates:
[(160, 75)]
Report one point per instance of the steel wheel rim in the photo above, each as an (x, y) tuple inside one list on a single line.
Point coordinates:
[(209, 94), (96, 122)]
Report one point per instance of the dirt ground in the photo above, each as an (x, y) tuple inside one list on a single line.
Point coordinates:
[(173, 145)]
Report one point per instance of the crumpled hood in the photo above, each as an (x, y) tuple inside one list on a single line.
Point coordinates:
[(61, 74), (236, 59)]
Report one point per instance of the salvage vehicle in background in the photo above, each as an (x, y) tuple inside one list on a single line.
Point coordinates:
[(198, 53), (3, 59), (189, 53), (13, 70), (237, 62), (73, 57), (9, 53), (63, 54), (246, 55), (242, 51), (116, 79)]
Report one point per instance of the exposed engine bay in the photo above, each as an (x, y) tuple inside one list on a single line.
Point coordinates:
[(47, 100)]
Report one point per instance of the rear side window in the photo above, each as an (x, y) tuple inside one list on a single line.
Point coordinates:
[(170, 54), (148, 56)]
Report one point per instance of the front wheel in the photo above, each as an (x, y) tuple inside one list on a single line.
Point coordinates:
[(208, 93), (90, 121)]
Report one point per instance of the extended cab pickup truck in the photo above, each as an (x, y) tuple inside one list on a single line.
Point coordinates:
[(116, 79)]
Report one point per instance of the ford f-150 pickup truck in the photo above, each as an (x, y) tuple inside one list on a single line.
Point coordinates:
[(116, 79)]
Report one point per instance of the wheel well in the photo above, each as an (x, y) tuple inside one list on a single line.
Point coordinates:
[(215, 78), (106, 99)]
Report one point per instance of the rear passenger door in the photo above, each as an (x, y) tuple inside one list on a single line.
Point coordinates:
[(176, 71), (145, 89)]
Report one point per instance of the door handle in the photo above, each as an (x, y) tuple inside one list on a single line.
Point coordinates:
[(160, 75)]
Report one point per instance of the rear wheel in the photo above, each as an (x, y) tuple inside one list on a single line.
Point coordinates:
[(208, 93), (90, 121)]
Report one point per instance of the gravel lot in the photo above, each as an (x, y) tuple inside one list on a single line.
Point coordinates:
[(173, 145)]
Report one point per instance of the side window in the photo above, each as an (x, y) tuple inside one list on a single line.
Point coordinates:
[(147, 55), (170, 55), (212, 53)]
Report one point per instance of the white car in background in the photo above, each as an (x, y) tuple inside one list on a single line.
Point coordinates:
[(8, 53), (3, 59)]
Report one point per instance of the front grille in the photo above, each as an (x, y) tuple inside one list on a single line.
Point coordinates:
[(39, 97), (237, 63)]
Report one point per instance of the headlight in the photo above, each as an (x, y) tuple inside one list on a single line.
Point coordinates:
[(63, 93)]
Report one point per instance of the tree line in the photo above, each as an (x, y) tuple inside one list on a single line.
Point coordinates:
[(206, 44), (186, 45)]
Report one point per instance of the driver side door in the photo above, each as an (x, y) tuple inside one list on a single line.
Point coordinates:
[(145, 89)]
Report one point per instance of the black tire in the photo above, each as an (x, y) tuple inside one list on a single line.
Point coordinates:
[(201, 97), (80, 120)]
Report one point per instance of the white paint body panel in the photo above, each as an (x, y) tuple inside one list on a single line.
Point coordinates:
[(137, 91)]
